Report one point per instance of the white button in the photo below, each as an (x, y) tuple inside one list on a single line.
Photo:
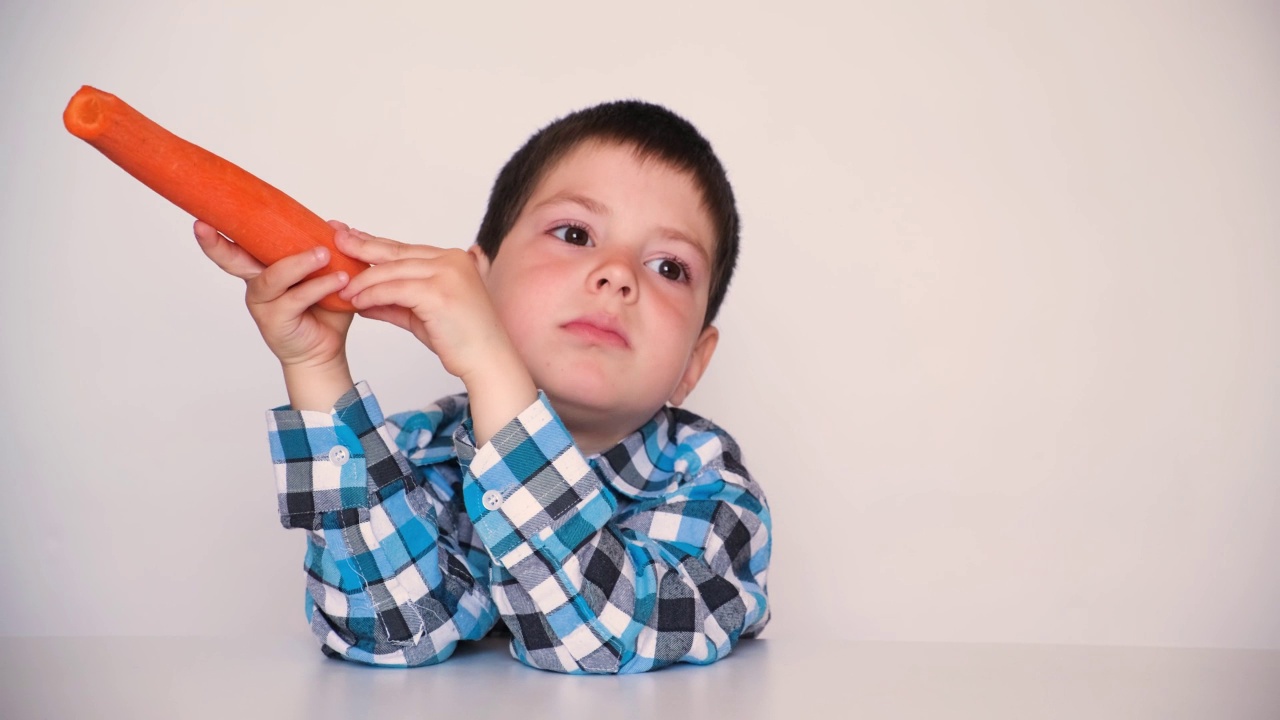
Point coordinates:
[(492, 500), (339, 455)]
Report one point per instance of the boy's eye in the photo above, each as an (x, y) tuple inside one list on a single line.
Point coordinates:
[(572, 234), (669, 268)]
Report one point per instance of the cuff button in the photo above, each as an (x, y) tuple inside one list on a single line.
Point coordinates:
[(492, 500), (339, 455)]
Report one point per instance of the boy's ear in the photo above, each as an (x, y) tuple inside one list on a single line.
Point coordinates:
[(482, 260), (703, 349)]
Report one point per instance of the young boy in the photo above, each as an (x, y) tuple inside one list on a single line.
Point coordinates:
[(611, 531)]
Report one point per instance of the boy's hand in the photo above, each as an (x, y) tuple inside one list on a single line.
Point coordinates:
[(435, 293), (301, 334), (438, 295)]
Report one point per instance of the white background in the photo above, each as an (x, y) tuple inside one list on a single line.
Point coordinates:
[(1003, 347)]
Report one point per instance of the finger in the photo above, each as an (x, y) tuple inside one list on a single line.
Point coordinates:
[(283, 274), (374, 250), (412, 269), (227, 255), (398, 316), (307, 293), (404, 293)]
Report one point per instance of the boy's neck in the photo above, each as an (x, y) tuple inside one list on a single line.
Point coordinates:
[(595, 432)]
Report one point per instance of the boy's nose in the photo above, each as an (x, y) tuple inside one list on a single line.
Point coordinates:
[(614, 277), (604, 283)]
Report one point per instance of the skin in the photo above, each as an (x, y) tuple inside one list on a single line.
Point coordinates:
[(597, 297)]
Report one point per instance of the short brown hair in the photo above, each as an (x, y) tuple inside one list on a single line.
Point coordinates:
[(655, 132)]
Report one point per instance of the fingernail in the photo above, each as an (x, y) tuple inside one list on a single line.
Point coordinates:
[(342, 278), (322, 254)]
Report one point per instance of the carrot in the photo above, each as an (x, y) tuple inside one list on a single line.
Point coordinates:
[(264, 221)]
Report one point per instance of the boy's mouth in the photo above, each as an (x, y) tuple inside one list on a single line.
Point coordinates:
[(599, 328)]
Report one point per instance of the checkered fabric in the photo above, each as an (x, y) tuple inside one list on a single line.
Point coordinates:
[(651, 553)]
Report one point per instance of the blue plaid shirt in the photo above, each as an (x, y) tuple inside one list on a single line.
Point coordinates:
[(653, 552)]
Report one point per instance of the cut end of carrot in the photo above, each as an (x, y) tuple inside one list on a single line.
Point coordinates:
[(85, 116)]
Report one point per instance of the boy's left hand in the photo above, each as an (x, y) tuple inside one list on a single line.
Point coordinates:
[(435, 293)]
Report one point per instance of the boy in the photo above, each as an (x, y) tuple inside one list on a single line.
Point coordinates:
[(611, 532)]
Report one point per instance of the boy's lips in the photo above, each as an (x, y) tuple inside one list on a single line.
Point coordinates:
[(600, 328)]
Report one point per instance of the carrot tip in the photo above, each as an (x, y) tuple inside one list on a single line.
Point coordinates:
[(84, 115)]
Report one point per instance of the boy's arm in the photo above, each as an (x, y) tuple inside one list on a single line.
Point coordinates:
[(395, 576), (679, 576), (317, 388)]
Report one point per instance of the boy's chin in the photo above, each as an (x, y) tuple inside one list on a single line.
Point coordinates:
[(599, 402)]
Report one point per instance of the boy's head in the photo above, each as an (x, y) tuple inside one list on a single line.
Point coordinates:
[(655, 133), (606, 249)]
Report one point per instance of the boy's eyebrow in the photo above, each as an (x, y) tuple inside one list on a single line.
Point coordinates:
[(591, 205), (673, 234), (599, 208)]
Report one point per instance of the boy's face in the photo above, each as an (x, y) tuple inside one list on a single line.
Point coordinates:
[(602, 285)]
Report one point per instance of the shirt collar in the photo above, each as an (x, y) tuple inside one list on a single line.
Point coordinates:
[(655, 459)]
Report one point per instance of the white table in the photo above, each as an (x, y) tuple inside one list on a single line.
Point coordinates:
[(287, 677)]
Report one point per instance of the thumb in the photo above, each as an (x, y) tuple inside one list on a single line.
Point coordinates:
[(394, 314)]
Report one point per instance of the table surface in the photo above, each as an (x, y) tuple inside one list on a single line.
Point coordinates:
[(287, 677)]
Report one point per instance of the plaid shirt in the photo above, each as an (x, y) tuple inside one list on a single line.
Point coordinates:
[(653, 552)]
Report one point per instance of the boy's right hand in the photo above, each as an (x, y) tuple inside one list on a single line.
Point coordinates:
[(300, 333)]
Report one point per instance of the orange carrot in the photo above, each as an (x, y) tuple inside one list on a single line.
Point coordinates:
[(267, 223)]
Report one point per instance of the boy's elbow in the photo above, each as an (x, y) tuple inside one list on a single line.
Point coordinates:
[(651, 650), (418, 650), (420, 655)]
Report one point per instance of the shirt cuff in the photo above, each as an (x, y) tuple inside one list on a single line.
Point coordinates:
[(529, 488), (327, 462)]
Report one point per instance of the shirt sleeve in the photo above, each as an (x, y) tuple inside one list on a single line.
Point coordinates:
[(587, 589), (394, 576)]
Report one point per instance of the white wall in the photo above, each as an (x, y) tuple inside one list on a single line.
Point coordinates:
[(1004, 347)]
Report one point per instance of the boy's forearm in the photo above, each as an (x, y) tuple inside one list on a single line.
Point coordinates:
[(317, 387), (497, 394)]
